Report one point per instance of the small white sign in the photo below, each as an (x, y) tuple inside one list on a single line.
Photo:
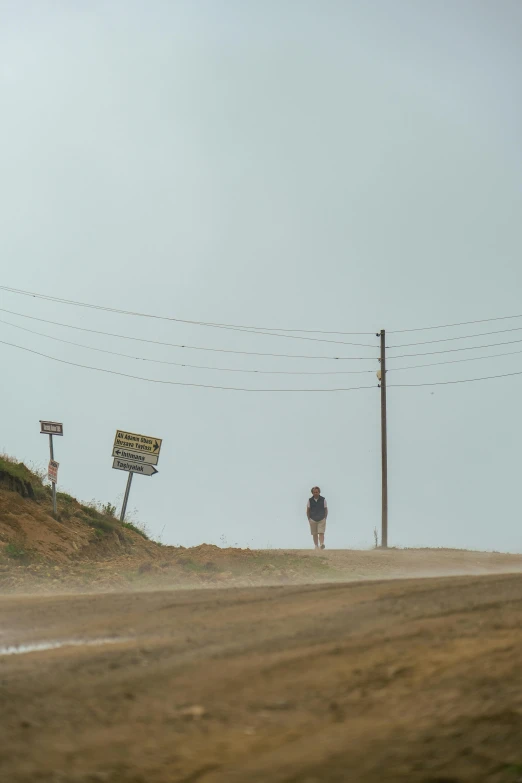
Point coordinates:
[(52, 471)]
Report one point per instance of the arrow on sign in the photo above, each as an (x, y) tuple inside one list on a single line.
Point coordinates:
[(142, 443), (134, 467), (135, 456)]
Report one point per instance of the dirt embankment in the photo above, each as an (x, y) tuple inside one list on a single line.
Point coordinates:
[(87, 548)]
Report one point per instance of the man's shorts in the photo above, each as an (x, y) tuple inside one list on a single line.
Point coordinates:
[(317, 528)]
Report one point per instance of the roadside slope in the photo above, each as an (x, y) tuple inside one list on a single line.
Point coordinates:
[(87, 548)]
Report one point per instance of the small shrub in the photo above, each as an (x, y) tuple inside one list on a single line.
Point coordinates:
[(64, 498), (103, 516), (140, 531), (15, 551), (91, 512), (102, 524), (106, 509), (67, 506)]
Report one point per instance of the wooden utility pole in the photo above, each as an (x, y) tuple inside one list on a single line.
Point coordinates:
[(384, 445)]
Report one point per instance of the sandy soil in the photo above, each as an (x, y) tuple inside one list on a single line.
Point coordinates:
[(414, 680), (149, 566)]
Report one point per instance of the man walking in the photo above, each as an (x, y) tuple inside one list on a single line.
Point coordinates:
[(317, 511)]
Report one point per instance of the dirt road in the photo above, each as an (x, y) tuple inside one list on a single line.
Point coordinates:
[(416, 680)]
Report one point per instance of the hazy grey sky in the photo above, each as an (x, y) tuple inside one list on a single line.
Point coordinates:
[(308, 164)]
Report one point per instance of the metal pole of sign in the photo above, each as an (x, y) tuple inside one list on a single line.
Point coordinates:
[(384, 444), (126, 497), (51, 449)]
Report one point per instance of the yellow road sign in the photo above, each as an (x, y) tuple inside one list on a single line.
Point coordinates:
[(135, 442)]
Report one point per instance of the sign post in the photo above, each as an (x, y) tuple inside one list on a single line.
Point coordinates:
[(52, 428), (135, 454), (126, 497)]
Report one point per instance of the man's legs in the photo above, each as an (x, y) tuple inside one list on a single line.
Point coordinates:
[(321, 528), (313, 531)]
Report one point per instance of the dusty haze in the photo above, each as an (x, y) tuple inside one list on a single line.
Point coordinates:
[(329, 165)]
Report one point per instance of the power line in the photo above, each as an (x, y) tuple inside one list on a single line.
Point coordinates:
[(255, 353), (450, 339), (258, 372), (242, 327), (182, 364), (454, 350), (269, 331), (181, 383), (453, 361), (234, 388), (450, 326), (187, 347), (448, 383)]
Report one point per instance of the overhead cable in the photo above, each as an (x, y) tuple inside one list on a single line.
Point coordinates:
[(180, 383), (183, 364), (269, 331), (450, 383), (256, 371), (451, 339), (252, 329), (451, 326), (238, 389), (187, 347), (454, 350), (453, 361)]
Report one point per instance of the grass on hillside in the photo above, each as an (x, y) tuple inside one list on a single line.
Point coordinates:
[(27, 476), (101, 517)]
